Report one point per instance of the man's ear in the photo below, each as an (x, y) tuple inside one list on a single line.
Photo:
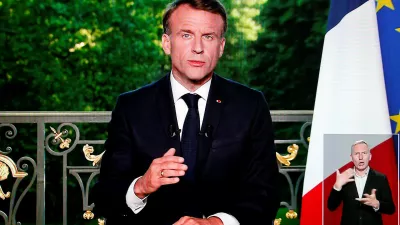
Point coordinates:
[(166, 44), (222, 47)]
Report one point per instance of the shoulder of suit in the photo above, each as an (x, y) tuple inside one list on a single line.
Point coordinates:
[(232, 88), (237, 88), (377, 173), (142, 91)]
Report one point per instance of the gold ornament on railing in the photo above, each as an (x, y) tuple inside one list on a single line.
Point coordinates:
[(7, 164), (88, 215), (277, 221), (4, 172), (101, 221), (64, 143), (4, 195), (285, 159), (88, 150), (291, 214)]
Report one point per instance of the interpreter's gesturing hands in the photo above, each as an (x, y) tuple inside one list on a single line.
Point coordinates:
[(370, 199), (344, 178), (162, 171)]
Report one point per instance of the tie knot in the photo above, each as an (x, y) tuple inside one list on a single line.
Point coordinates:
[(191, 100)]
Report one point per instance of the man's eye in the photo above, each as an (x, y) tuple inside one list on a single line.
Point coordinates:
[(186, 35), (208, 37)]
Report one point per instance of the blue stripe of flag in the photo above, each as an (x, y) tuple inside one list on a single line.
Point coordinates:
[(339, 9), (388, 21)]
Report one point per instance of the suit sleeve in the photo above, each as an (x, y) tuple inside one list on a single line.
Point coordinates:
[(334, 199), (116, 167), (259, 198), (386, 204)]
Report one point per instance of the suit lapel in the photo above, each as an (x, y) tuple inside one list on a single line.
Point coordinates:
[(166, 110), (368, 184), (353, 189), (212, 114)]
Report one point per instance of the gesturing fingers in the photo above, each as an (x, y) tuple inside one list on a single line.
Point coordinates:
[(167, 181), (349, 173), (182, 220), (163, 171), (172, 173), (170, 151), (169, 158), (363, 200)]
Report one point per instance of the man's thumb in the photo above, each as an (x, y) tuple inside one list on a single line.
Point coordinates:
[(171, 151), (373, 192)]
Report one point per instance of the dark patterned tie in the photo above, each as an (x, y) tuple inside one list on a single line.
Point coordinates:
[(190, 132)]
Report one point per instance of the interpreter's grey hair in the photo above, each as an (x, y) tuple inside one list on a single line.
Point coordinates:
[(357, 143)]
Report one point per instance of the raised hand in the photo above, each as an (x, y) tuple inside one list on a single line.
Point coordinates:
[(162, 171), (344, 178), (370, 199)]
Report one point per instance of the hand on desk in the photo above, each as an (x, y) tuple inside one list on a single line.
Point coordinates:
[(162, 171), (187, 220)]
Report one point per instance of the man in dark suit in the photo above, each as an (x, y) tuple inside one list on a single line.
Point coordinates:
[(365, 192), (193, 147)]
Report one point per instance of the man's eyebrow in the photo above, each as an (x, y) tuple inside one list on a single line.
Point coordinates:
[(191, 32), (186, 31), (208, 33)]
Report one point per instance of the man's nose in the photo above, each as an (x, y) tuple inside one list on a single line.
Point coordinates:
[(197, 46)]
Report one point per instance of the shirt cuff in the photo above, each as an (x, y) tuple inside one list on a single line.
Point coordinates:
[(337, 189), (376, 209), (226, 218), (133, 201)]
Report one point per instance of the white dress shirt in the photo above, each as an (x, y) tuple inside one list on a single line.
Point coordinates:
[(360, 182), (181, 109)]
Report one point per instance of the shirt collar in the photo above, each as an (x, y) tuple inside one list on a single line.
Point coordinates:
[(365, 174), (178, 90)]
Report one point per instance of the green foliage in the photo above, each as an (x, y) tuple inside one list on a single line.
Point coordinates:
[(77, 55), (243, 29), (287, 53)]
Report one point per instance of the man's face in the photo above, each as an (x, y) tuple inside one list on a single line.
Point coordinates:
[(195, 44), (360, 156)]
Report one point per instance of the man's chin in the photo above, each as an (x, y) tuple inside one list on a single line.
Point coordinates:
[(200, 78), (361, 167)]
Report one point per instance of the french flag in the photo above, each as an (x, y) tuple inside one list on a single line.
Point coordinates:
[(351, 104)]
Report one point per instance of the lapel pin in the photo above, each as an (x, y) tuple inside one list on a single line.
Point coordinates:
[(218, 101)]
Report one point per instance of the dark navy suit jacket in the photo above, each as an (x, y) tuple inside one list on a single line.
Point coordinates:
[(236, 166)]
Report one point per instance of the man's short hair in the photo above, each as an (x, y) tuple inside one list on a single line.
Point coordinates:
[(212, 6), (357, 143)]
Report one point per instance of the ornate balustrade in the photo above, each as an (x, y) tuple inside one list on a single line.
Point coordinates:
[(58, 136)]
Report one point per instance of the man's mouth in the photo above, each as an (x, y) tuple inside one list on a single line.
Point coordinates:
[(196, 63)]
